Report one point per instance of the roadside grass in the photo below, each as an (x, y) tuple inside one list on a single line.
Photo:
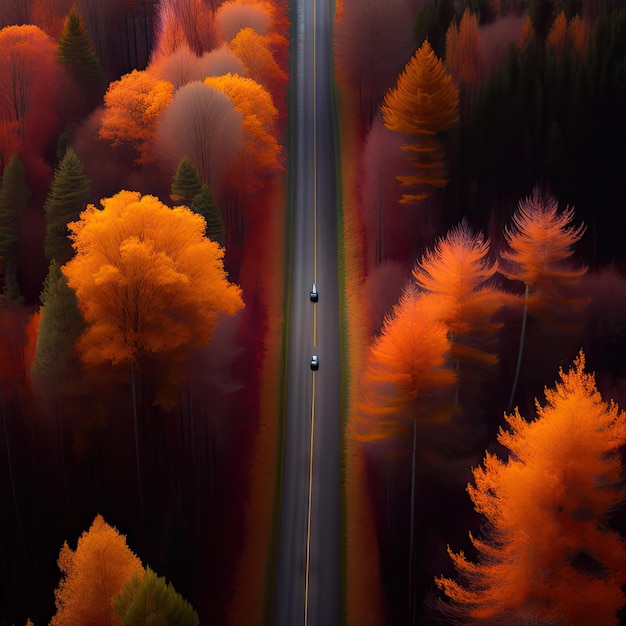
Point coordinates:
[(362, 601)]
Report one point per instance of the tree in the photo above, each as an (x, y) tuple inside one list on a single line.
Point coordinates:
[(371, 46), (186, 184), (407, 369), (260, 156), (60, 325), (458, 276), (557, 36), (78, 55), (146, 278), (204, 205), (184, 20), (30, 78), (69, 192), (133, 105), (541, 242), (150, 600), (549, 555), (233, 15), (255, 53), (465, 59), (423, 103), (92, 576), (202, 124), (14, 199)]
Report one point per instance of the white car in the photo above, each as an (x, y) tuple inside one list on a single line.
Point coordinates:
[(314, 294), (315, 362)]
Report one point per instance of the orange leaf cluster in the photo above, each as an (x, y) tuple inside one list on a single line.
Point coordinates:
[(146, 278), (407, 367), (458, 275), (424, 102), (576, 32), (261, 150), (132, 107), (93, 575), (541, 241), (549, 557)]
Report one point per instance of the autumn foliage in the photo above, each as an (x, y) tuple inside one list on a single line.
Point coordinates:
[(407, 368), (548, 554), (30, 78), (424, 102), (541, 243), (93, 575), (146, 278), (132, 107)]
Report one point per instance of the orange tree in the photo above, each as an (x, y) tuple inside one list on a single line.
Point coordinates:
[(424, 102), (93, 575), (131, 107), (549, 555), (147, 280)]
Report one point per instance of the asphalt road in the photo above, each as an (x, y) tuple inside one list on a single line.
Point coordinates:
[(307, 589)]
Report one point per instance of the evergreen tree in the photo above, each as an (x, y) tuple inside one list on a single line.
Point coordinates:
[(150, 600), (186, 183), (60, 324), (204, 205), (78, 55), (14, 198), (69, 193)]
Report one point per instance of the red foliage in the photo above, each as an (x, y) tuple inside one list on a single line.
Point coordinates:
[(372, 43)]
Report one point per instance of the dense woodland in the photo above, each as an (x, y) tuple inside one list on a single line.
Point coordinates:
[(141, 152), (484, 169), (143, 170)]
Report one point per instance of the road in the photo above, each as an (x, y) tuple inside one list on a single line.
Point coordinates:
[(307, 587)]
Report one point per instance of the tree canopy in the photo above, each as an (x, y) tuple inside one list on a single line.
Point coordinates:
[(146, 278)]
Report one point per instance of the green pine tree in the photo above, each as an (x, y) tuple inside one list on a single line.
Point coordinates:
[(60, 324), (14, 198), (151, 601), (69, 192), (204, 205), (78, 55), (186, 183)]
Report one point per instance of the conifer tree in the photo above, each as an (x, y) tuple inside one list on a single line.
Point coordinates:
[(186, 184), (541, 242), (549, 555), (14, 198), (424, 102), (150, 600), (93, 575), (60, 324), (204, 205), (69, 193), (78, 55)]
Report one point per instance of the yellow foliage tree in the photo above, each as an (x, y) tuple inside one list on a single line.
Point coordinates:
[(549, 556), (93, 575), (146, 278), (132, 107), (424, 102)]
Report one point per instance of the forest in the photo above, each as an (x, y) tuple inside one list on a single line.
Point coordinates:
[(144, 209)]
